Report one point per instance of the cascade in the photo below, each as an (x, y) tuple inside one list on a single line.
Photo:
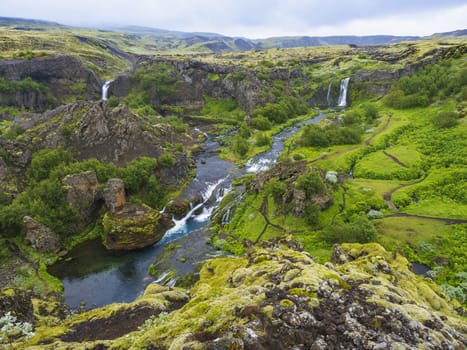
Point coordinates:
[(342, 102), (328, 96), (105, 90)]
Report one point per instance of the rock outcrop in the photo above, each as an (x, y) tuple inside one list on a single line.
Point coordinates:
[(130, 226), (110, 134), (134, 227), (278, 297), (82, 194), (114, 195), (18, 303), (42, 238), (58, 74)]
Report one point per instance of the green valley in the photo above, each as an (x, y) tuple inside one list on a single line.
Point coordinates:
[(231, 194)]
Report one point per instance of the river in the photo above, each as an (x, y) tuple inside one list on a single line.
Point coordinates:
[(97, 277)]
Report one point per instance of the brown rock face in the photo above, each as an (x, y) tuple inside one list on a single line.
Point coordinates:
[(114, 195), (82, 191), (59, 74), (42, 238)]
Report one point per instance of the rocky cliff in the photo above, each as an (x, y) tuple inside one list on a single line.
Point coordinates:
[(64, 77), (96, 130), (277, 297)]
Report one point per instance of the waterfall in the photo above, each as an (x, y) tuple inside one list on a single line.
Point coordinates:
[(328, 97), (105, 90), (342, 102)]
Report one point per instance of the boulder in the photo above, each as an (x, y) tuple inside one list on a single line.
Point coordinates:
[(82, 192), (134, 227), (299, 199), (114, 195), (42, 238), (178, 208), (18, 302)]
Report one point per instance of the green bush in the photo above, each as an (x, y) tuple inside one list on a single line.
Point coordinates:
[(312, 213), (263, 140), (177, 123), (166, 160), (44, 161), (276, 188), (351, 117), (112, 101), (240, 146), (444, 119), (311, 183), (315, 136), (261, 123), (359, 230)]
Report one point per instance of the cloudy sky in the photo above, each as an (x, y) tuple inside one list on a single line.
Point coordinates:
[(254, 18)]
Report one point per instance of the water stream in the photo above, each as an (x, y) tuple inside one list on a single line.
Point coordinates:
[(98, 277), (342, 101), (105, 90)]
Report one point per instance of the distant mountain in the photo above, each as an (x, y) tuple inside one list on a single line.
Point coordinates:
[(460, 32), (162, 32), (28, 24), (157, 40)]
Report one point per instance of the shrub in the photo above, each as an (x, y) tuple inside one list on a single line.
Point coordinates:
[(276, 188), (240, 146), (44, 161), (311, 183), (166, 160), (312, 212), (261, 123), (263, 140), (351, 118), (370, 112), (359, 230), (444, 119), (112, 101)]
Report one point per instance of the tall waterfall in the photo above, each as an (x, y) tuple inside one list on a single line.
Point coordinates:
[(105, 90), (328, 96), (342, 101)]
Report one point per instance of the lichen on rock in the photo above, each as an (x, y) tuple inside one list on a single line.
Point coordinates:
[(277, 297), (134, 226)]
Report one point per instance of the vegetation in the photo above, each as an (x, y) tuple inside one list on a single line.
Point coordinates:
[(395, 166), (44, 196)]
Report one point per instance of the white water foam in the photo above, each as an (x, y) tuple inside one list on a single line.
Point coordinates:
[(260, 165), (105, 90), (342, 102)]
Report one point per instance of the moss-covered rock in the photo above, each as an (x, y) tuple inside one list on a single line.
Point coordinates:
[(134, 227), (277, 297)]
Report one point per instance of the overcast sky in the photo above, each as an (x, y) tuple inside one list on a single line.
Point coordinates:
[(254, 18)]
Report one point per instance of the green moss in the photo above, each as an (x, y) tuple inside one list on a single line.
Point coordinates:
[(286, 303)]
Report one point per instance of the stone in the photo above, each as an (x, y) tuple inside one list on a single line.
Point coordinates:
[(178, 208), (82, 191), (134, 227), (18, 302), (299, 198), (40, 237), (114, 195)]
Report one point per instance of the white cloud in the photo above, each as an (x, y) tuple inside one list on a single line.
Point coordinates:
[(254, 18)]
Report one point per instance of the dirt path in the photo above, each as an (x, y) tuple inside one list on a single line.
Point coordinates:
[(368, 141), (388, 195), (395, 159), (264, 212), (448, 221)]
